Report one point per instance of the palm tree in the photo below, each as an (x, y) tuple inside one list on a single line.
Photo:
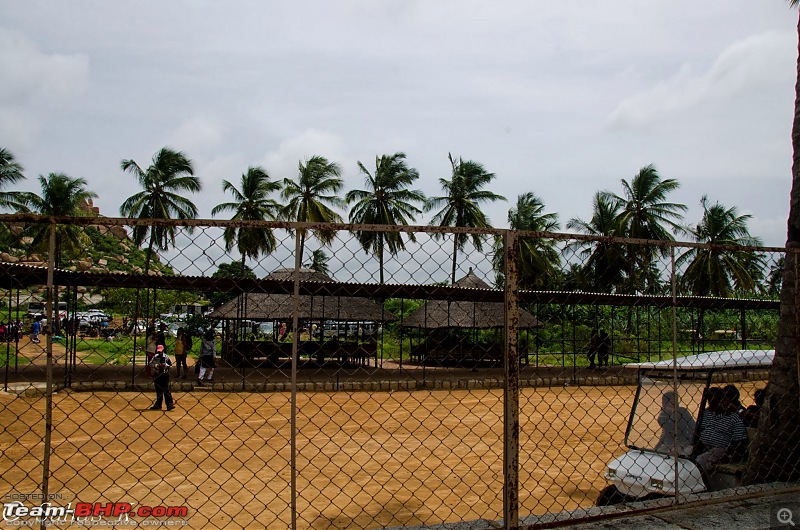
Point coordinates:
[(775, 277), (461, 203), (170, 174), (386, 201), (11, 173), (719, 272), (603, 261), (62, 195), (251, 203), (310, 197), (319, 262), (537, 257), (645, 214)]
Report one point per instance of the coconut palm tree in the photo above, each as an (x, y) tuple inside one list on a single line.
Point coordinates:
[(386, 201), (169, 175), (11, 173), (719, 272), (61, 195), (311, 196), (644, 213), (775, 277), (461, 203), (538, 258), (603, 262), (251, 203), (319, 262)]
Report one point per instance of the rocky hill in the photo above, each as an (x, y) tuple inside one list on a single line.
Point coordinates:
[(107, 249)]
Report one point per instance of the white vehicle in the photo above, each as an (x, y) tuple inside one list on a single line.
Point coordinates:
[(37, 309), (661, 429)]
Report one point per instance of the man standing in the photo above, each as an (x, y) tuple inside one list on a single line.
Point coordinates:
[(603, 348), (161, 337), (161, 364), (36, 328)]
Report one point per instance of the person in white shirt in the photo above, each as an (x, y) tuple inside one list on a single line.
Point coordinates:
[(208, 358)]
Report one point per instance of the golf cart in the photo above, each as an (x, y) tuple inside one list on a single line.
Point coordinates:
[(663, 426)]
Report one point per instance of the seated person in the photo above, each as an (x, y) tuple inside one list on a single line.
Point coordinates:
[(733, 394), (670, 410), (723, 437), (750, 414)]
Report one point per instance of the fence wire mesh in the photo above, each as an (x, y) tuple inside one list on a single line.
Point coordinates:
[(373, 391)]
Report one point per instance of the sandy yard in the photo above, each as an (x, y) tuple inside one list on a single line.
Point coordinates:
[(364, 459)]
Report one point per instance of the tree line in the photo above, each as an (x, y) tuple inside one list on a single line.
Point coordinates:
[(641, 211)]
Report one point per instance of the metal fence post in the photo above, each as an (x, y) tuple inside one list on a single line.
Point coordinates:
[(511, 395), (48, 414), (675, 416), (295, 339)]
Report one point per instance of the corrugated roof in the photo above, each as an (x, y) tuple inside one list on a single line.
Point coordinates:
[(14, 275)]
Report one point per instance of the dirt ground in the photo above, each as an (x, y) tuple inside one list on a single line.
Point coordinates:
[(363, 459)]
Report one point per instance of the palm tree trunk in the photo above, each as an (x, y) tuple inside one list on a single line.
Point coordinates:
[(380, 255), (302, 246), (148, 256), (455, 254), (775, 452)]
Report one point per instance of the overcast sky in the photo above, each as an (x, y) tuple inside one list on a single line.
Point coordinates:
[(558, 98)]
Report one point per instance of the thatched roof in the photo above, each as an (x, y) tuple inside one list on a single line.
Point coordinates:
[(471, 281), (462, 314), (306, 275), (269, 306)]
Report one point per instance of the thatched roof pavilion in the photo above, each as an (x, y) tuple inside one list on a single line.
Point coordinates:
[(439, 314), (270, 306)]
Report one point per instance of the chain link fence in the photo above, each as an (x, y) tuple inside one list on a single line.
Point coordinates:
[(469, 376)]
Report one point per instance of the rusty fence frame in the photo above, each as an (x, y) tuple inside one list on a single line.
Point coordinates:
[(510, 296)]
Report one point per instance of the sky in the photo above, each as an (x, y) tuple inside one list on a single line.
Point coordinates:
[(561, 99)]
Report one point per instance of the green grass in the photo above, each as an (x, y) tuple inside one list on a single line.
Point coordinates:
[(20, 361)]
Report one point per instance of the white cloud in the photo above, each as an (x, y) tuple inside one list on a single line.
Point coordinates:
[(283, 161), (760, 62), (35, 84), (196, 135), (703, 90)]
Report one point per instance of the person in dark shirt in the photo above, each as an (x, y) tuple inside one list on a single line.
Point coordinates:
[(723, 436), (750, 414), (160, 366), (603, 348), (161, 337)]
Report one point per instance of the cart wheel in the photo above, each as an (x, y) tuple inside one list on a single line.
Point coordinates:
[(610, 495)]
